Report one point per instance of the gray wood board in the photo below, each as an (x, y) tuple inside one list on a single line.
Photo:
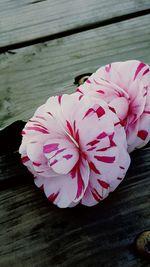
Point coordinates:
[(36, 233), (30, 75), (27, 20)]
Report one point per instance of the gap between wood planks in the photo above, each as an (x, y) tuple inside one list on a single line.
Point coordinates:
[(74, 31)]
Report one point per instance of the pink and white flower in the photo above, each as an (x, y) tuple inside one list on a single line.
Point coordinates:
[(125, 86), (76, 149)]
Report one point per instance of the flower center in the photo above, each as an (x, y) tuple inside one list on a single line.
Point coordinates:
[(62, 154)]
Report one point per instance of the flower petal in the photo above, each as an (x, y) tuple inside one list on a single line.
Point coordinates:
[(100, 185), (62, 155), (67, 189)]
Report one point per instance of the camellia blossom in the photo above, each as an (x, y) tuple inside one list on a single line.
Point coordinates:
[(76, 149), (125, 86)]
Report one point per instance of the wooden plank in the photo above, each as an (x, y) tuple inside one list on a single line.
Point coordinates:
[(36, 233), (30, 75), (27, 20)]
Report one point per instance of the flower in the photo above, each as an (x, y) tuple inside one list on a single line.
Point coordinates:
[(76, 149), (125, 86)]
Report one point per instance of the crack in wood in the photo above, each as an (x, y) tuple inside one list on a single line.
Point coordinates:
[(73, 31), (37, 1)]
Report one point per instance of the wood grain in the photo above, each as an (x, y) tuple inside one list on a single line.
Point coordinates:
[(27, 20), (36, 233), (30, 75)]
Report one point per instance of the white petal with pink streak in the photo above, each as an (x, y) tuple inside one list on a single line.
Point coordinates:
[(65, 187)]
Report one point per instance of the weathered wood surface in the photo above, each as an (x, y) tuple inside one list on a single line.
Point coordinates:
[(30, 75), (35, 233), (27, 20)]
